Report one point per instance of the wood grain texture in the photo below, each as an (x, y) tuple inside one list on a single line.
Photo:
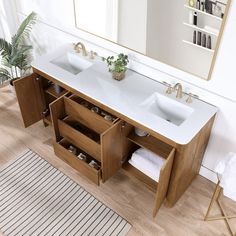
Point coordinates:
[(111, 151), (163, 182), (134, 172), (30, 99), (187, 162), (57, 111), (80, 140), (127, 196), (86, 117), (188, 157), (149, 142), (77, 164)]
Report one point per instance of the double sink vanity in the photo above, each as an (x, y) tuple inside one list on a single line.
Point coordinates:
[(178, 130)]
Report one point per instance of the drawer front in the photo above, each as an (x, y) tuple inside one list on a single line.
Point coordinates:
[(73, 161), (80, 140), (86, 117)]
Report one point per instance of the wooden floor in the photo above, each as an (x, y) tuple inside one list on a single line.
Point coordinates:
[(124, 195)]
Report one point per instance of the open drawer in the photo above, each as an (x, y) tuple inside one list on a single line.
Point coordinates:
[(163, 151), (90, 132), (61, 149), (88, 114), (81, 136)]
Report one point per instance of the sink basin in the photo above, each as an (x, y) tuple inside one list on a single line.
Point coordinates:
[(72, 63), (167, 108)]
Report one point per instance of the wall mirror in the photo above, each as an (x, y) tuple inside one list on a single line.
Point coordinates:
[(184, 34)]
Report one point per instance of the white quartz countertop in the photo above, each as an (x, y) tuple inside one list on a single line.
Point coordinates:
[(126, 96)]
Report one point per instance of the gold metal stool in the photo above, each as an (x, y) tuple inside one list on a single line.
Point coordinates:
[(224, 216)]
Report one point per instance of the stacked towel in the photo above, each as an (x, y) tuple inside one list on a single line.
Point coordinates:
[(147, 162), (227, 170)]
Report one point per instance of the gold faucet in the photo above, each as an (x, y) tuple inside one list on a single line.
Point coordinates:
[(81, 46), (179, 89)]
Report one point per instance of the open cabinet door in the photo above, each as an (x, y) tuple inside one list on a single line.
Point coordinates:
[(30, 98), (111, 151), (163, 182)]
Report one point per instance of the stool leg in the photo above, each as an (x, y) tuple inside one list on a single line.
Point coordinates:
[(214, 197)]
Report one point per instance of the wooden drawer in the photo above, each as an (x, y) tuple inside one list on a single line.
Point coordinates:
[(80, 139), (84, 114), (61, 150)]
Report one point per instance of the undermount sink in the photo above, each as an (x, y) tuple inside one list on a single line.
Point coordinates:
[(72, 63), (167, 108)]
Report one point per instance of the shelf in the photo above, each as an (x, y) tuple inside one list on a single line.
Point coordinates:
[(151, 143), (53, 93), (200, 29), (198, 46), (133, 172), (203, 12)]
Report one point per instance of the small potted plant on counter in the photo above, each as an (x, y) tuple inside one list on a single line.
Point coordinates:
[(117, 66), (15, 54)]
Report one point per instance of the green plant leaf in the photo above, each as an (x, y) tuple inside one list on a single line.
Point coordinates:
[(24, 29), (4, 75)]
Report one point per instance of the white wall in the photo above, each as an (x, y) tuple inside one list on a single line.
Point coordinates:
[(57, 27), (132, 32)]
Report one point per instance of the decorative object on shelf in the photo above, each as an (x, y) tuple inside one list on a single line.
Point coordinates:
[(204, 40), (208, 6), (15, 54), (140, 132), (58, 89), (217, 10), (194, 36), (198, 5), (117, 66), (209, 42), (202, 6), (199, 38), (195, 18), (190, 17), (192, 3)]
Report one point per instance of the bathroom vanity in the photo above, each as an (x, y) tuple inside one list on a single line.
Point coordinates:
[(178, 131)]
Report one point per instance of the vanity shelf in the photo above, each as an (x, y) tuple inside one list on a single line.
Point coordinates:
[(200, 29), (50, 90), (153, 144), (163, 151), (198, 46), (203, 12)]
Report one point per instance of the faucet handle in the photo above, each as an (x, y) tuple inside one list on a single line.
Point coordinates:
[(190, 97), (92, 55), (169, 89), (76, 48)]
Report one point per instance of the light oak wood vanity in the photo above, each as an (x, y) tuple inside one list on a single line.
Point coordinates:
[(109, 143)]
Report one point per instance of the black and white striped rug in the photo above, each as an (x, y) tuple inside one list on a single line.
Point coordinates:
[(38, 199)]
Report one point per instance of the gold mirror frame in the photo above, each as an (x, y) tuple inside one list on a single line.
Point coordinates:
[(214, 55)]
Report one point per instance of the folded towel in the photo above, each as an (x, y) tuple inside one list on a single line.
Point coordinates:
[(227, 170), (147, 162)]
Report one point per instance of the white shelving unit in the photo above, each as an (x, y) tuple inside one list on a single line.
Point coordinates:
[(203, 12), (198, 46), (200, 29)]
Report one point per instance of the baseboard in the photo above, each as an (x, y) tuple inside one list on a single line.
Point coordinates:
[(208, 174)]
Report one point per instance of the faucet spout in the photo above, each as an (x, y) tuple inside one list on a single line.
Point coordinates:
[(179, 89), (80, 46)]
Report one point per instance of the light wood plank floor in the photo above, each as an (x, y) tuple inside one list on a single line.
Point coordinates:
[(124, 195)]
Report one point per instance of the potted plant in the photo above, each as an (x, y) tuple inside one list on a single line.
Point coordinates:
[(15, 54), (117, 66)]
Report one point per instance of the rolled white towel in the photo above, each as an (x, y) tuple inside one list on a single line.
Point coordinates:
[(147, 162)]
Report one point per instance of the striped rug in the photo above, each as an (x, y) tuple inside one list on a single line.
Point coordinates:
[(38, 199)]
